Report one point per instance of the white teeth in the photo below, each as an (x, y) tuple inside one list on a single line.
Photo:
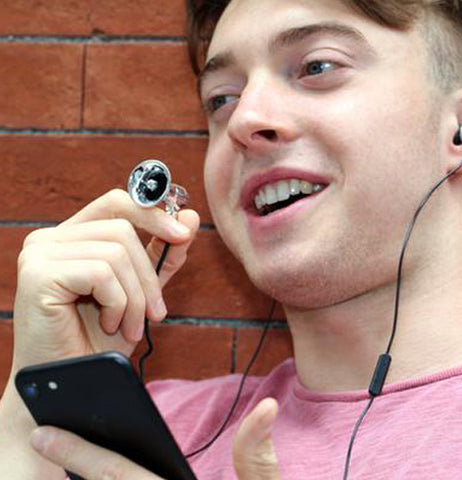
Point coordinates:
[(294, 187), (259, 201), (306, 188), (283, 190), (270, 195)]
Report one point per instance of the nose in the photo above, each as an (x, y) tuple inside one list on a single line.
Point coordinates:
[(262, 120)]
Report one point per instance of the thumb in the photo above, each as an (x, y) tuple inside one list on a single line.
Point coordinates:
[(253, 449)]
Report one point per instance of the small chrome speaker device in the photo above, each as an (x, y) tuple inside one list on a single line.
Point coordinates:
[(150, 184)]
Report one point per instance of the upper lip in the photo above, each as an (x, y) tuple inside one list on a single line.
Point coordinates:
[(255, 183)]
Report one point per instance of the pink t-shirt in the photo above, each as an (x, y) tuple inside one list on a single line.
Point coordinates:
[(413, 431)]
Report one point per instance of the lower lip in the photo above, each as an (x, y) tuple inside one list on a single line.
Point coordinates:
[(281, 218)]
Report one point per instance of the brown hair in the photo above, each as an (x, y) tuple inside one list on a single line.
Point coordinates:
[(444, 38)]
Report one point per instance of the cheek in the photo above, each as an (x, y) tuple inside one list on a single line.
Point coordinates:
[(217, 178)]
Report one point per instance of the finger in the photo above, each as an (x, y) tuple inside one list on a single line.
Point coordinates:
[(120, 231), (118, 204), (177, 254), (253, 450), (120, 262), (76, 278), (85, 459)]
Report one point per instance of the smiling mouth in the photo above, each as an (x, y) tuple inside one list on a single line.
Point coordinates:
[(277, 196)]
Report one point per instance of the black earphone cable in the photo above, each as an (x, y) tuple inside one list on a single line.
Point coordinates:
[(384, 361), (241, 386), (147, 331), (147, 353)]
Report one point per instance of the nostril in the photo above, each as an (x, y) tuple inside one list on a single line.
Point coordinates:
[(268, 134)]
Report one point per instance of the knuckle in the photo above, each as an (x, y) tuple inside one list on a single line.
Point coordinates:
[(102, 272), (63, 451), (175, 262), (115, 196), (117, 253), (29, 259), (139, 305), (124, 228), (36, 235)]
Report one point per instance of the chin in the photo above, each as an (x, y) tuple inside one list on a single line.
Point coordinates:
[(307, 286)]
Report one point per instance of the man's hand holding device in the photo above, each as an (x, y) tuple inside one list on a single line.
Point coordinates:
[(99, 396), (85, 287), (253, 452)]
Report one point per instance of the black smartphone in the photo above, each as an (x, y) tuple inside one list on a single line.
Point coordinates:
[(101, 398)]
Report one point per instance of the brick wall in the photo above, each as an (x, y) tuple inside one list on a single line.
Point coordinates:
[(87, 89)]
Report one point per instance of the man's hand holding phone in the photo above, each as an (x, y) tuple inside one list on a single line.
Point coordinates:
[(253, 453), (85, 287)]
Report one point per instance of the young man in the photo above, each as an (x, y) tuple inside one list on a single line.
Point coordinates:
[(358, 106)]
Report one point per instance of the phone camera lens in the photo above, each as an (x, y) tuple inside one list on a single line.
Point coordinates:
[(31, 390)]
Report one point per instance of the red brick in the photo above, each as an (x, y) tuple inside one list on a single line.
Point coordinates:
[(191, 352), (6, 352), (11, 240), (276, 348), (53, 17), (40, 85), (139, 17), (50, 178), (87, 17), (211, 284), (141, 86)]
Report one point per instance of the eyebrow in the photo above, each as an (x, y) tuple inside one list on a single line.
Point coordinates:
[(219, 62), (285, 39)]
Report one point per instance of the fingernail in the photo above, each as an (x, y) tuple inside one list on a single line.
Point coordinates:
[(160, 310), (180, 229), (40, 438)]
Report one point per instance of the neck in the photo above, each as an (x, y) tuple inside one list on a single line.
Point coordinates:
[(336, 348)]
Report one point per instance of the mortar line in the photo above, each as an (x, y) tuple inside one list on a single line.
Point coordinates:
[(90, 39), (235, 323), (54, 223), (31, 131)]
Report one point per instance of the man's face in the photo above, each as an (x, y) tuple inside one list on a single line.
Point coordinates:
[(308, 96)]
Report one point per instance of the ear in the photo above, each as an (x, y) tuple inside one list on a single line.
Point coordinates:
[(453, 132)]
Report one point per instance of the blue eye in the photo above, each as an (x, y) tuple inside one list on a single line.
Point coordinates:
[(219, 101), (318, 67)]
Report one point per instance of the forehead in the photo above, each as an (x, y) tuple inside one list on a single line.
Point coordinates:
[(255, 23)]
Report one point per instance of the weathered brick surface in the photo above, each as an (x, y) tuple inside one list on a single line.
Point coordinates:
[(211, 284), (6, 351), (180, 352), (192, 352), (11, 240), (276, 348), (140, 86), (89, 17), (145, 86), (50, 178), (139, 17), (40, 85)]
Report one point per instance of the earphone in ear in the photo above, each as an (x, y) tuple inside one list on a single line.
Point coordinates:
[(458, 137)]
